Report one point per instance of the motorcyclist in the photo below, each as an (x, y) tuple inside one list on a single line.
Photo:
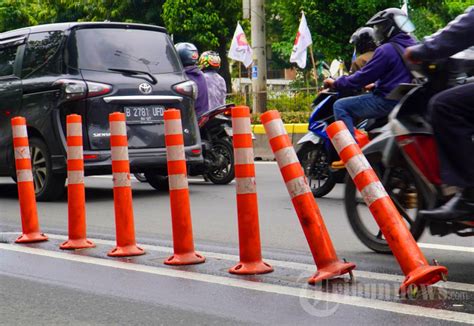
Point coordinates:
[(364, 43), (210, 63), (189, 55), (386, 69), (452, 117)]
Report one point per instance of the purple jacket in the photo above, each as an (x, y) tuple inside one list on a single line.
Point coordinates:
[(386, 68), (201, 105), (216, 89)]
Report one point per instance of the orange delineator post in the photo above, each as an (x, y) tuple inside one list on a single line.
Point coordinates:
[(247, 207), (76, 193), (401, 242), (183, 243), (322, 249), (26, 189), (124, 224)]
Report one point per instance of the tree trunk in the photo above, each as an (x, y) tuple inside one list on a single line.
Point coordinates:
[(225, 67)]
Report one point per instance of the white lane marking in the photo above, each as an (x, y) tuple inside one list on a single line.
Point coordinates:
[(266, 162), (446, 247), (250, 285), (278, 263)]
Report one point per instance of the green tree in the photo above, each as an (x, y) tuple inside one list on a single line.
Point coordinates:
[(208, 24)]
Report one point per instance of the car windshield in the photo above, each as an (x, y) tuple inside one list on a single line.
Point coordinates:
[(103, 48)]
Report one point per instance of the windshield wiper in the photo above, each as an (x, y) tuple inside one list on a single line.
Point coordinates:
[(135, 72)]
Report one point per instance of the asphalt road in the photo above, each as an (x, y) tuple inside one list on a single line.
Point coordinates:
[(44, 285)]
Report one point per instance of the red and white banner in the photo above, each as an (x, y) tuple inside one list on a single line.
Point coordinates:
[(302, 41), (240, 49)]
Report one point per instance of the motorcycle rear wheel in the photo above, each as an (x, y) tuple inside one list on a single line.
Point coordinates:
[(314, 160), (224, 173), (399, 184)]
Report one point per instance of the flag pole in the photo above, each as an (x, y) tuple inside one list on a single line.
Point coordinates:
[(314, 65), (240, 82)]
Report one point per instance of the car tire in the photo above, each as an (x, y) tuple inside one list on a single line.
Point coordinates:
[(157, 181), (49, 186)]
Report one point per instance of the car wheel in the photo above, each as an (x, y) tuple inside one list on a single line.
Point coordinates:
[(157, 181), (49, 186)]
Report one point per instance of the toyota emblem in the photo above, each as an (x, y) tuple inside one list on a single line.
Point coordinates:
[(145, 88)]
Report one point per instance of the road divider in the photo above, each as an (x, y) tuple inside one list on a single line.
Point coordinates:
[(247, 207), (124, 223), (395, 231), (182, 228), (317, 236), (26, 189), (76, 193)]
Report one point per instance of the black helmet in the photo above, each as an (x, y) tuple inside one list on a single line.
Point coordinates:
[(390, 22), (188, 53), (363, 40)]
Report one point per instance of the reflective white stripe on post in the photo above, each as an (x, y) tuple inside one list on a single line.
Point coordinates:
[(243, 155), (175, 153), (24, 176), (121, 179), (342, 139), (373, 192), (119, 153), (173, 127), (241, 126), (274, 128), (74, 153), (74, 129), (118, 128), (286, 156), (22, 152), (19, 131), (178, 181), (297, 186), (357, 164), (246, 186), (75, 177)]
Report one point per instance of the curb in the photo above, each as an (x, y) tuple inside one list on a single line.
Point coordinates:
[(261, 148)]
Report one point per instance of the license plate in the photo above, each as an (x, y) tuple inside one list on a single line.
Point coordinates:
[(144, 114)]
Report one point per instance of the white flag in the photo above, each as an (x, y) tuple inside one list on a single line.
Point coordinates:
[(302, 41), (240, 49), (405, 7)]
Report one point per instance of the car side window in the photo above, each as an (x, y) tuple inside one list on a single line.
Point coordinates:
[(43, 54), (7, 60)]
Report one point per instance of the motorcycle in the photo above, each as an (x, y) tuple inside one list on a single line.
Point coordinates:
[(215, 127), (316, 152), (405, 158)]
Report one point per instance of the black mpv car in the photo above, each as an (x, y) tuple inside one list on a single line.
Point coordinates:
[(92, 69)]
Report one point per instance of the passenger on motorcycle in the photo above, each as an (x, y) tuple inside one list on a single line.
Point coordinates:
[(210, 63), (452, 117), (188, 53), (386, 69), (364, 43)]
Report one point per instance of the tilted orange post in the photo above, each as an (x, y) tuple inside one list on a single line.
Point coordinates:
[(320, 244), (399, 238), (247, 207), (26, 189), (124, 224), (76, 193), (183, 243)]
